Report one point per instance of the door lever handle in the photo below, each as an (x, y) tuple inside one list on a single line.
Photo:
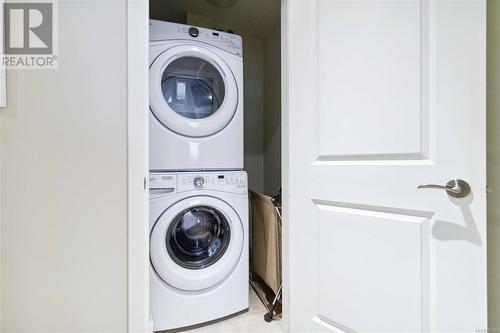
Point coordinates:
[(457, 188)]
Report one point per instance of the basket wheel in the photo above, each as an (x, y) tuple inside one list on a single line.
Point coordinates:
[(268, 317)]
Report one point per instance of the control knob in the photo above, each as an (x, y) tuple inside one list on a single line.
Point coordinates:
[(194, 32), (198, 182)]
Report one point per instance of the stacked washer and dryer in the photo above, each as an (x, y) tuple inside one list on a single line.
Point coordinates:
[(198, 189)]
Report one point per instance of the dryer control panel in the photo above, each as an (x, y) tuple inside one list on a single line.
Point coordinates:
[(224, 181), (160, 30)]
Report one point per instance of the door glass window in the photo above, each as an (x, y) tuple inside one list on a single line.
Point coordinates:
[(192, 87), (197, 237)]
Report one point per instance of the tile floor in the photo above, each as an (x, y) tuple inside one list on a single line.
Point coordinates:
[(248, 322)]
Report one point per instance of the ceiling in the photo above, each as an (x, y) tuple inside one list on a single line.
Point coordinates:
[(252, 18)]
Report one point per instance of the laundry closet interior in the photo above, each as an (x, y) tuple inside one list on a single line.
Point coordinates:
[(258, 23)]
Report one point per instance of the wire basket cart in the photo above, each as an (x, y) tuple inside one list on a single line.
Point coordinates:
[(266, 248)]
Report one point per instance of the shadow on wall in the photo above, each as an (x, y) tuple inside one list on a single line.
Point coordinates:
[(272, 112)]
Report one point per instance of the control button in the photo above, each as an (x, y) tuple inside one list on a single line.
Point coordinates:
[(194, 32), (198, 182)]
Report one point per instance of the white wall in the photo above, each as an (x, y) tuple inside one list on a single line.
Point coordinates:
[(494, 162), (64, 181), (272, 112)]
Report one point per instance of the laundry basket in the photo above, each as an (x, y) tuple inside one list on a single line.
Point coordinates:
[(266, 243)]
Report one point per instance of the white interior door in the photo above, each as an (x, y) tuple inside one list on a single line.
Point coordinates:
[(381, 97)]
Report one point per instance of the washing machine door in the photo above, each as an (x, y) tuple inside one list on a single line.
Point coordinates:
[(196, 243), (192, 91)]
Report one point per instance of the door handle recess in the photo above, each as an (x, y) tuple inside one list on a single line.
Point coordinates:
[(457, 188), (161, 190)]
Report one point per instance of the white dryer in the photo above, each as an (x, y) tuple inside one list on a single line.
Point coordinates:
[(198, 247), (195, 98)]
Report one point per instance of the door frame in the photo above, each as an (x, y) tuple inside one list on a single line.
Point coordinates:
[(285, 169), (137, 25)]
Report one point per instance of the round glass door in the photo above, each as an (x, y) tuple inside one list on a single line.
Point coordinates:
[(197, 237), (192, 87), (193, 92), (196, 243)]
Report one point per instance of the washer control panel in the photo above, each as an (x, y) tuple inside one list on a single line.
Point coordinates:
[(234, 182), (224, 181), (159, 30)]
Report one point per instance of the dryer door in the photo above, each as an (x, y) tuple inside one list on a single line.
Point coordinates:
[(192, 91), (196, 243)]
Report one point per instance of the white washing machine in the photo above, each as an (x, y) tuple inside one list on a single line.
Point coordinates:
[(195, 98), (198, 247)]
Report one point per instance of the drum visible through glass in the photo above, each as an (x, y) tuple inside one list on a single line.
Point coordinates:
[(193, 87), (198, 237)]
